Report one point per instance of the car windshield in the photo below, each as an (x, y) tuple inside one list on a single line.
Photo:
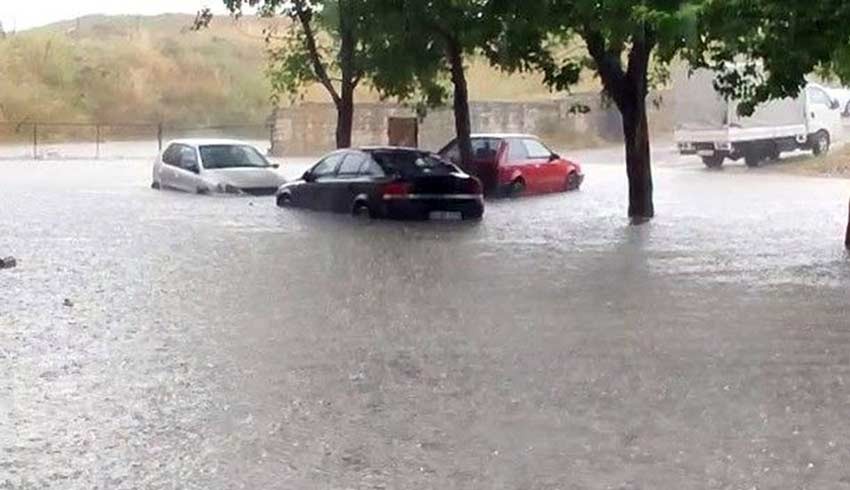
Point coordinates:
[(408, 163), (231, 156)]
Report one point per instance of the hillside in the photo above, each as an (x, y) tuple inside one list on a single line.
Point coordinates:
[(126, 69), (130, 68)]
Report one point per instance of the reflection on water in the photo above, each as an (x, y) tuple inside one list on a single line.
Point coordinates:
[(224, 343)]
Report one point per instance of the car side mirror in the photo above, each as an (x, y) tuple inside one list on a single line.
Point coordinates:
[(193, 167), (554, 156), (308, 177), (275, 165), (833, 104)]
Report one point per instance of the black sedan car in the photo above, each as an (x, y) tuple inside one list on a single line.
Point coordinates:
[(395, 183)]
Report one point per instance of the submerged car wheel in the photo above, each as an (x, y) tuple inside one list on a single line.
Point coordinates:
[(517, 188), (573, 182), (284, 200), (361, 210)]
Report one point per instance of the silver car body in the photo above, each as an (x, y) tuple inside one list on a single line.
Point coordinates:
[(180, 166)]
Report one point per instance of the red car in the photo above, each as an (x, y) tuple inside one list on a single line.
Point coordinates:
[(517, 164)]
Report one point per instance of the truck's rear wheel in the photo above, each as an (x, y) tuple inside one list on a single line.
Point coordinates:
[(774, 154), (753, 158), (714, 161), (820, 143)]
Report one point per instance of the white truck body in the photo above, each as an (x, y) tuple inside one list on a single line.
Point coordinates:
[(709, 125)]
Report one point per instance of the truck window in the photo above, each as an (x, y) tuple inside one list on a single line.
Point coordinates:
[(818, 96)]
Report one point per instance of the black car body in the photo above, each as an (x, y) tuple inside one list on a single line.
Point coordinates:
[(395, 183)]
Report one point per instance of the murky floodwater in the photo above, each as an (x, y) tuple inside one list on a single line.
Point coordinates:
[(219, 343)]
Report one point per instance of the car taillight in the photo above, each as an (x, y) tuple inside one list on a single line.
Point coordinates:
[(396, 190)]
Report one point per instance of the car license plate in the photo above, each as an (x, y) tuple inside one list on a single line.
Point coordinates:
[(705, 153), (445, 215)]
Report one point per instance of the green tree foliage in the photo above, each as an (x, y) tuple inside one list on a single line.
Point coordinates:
[(764, 49), (132, 70), (424, 43), (627, 42), (323, 45)]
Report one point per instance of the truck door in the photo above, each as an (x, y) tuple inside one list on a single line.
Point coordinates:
[(823, 113)]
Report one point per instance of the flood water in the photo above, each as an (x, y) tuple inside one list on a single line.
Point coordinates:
[(222, 343)]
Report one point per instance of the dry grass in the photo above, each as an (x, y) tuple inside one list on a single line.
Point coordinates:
[(834, 165), (129, 68), (126, 69)]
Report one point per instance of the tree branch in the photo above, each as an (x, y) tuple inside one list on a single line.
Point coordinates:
[(607, 61), (305, 17), (642, 45)]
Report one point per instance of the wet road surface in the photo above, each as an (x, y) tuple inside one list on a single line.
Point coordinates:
[(221, 343)]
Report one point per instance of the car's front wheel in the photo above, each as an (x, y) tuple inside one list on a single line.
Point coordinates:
[(517, 188), (284, 200), (573, 182)]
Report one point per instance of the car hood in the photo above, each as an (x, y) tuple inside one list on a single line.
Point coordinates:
[(245, 178)]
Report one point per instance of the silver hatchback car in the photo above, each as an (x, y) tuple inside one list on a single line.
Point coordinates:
[(206, 166)]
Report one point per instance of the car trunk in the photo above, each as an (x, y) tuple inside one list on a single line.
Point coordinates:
[(487, 172), (443, 184)]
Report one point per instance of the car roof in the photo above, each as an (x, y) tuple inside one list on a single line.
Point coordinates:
[(503, 135), (208, 141), (370, 149)]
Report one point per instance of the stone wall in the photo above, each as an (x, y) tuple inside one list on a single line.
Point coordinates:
[(580, 120)]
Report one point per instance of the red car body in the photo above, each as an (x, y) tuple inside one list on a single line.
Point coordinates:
[(516, 164)]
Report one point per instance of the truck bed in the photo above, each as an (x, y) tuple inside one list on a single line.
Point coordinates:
[(734, 134)]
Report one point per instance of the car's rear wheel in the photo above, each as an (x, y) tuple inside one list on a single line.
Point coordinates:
[(573, 181), (361, 210), (517, 188)]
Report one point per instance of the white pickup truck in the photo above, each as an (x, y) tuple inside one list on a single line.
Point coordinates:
[(709, 126)]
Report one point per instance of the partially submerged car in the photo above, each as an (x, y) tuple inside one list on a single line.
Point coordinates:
[(516, 164), (386, 182), (215, 166)]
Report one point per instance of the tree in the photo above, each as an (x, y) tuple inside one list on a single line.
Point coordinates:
[(784, 40), (624, 41), (429, 41), (321, 46)]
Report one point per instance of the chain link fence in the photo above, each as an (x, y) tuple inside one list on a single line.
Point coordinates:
[(34, 140)]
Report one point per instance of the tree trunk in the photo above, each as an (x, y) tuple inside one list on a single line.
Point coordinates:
[(463, 126), (629, 90), (638, 159), (345, 101), (345, 116), (847, 236)]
